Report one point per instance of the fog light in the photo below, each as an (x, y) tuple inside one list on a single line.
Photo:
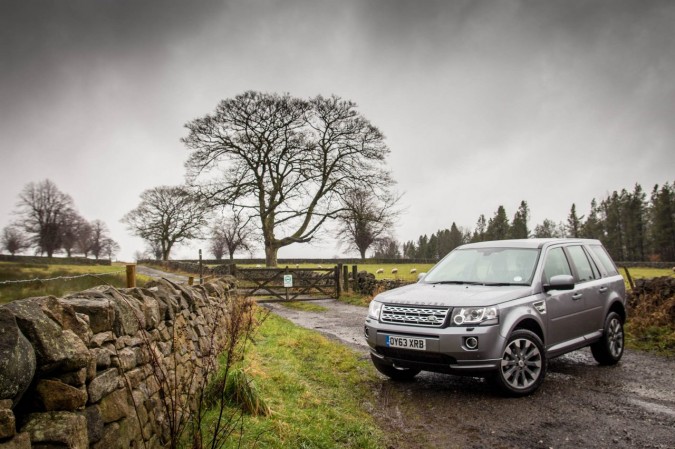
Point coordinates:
[(471, 342)]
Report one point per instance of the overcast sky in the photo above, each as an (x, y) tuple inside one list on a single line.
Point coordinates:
[(483, 103)]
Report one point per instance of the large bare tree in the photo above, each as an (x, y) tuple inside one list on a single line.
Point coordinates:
[(167, 216), (43, 209), (366, 218), (288, 161)]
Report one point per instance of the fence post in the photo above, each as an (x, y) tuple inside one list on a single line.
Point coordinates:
[(191, 280), (345, 278), (233, 269), (337, 281), (201, 272), (131, 275), (355, 285)]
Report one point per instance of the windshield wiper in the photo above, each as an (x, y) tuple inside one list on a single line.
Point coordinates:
[(458, 282), (502, 284)]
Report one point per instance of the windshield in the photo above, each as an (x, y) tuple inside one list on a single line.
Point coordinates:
[(486, 266)]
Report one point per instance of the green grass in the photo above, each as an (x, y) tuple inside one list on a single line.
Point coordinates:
[(314, 388), (657, 339), (305, 306), (59, 287)]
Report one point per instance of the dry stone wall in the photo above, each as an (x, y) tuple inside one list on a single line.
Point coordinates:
[(93, 369)]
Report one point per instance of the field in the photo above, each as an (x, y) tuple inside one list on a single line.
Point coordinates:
[(403, 269), (41, 285)]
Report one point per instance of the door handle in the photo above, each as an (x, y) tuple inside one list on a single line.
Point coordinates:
[(603, 289), (577, 296)]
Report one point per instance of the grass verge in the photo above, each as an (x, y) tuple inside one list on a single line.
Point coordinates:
[(316, 391), (305, 306), (657, 339)]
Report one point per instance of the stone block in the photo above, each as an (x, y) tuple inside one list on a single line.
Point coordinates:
[(104, 384), (100, 339), (114, 406), (135, 377), (17, 358), (61, 429), (7, 424), (56, 348), (111, 438), (94, 423), (66, 317), (126, 359), (55, 395), (74, 378), (20, 441), (96, 306), (102, 357)]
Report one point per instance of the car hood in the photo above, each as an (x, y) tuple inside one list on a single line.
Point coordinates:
[(453, 295)]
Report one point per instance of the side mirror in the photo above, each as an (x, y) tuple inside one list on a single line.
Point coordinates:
[(560, 282), (421, 276)]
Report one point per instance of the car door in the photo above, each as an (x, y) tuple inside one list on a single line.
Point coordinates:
[(590, 286), (564, 307)]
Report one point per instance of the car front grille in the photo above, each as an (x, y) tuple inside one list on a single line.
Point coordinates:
[(414, 316)]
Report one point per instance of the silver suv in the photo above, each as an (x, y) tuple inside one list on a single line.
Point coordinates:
[(501, 309)]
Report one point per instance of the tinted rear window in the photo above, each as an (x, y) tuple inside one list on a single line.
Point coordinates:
[(606, 264)]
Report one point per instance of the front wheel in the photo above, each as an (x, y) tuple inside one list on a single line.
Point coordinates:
[(393, 372), (523, 364), (609, 349)]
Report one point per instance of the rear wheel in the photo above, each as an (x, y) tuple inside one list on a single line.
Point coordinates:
[(523, 364), (393, 372), (609, 349)]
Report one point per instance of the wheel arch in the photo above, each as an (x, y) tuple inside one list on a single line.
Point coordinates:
[(620, 310), (531, 325)]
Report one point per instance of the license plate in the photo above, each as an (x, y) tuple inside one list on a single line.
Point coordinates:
[(419, 344)]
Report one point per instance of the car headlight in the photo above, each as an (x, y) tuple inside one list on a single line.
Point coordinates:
[(467, 316), (374, 309)]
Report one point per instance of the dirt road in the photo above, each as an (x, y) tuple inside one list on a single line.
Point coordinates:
[(580, 404)]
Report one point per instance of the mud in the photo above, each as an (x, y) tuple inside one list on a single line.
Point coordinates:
[(580, 404)]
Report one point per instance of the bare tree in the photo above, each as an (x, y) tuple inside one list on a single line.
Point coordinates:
[(387, 248), (83, 241), (366, 218), (110, 248), (167, 216), (42, 209), (99, 238), (13, 240), (73, 225), (231, 234), (286, 160)]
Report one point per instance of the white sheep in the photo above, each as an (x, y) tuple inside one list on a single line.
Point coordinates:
[(379, 271), (319, 266), (394, 270), (297, 265), (413, 270), (258, 266)]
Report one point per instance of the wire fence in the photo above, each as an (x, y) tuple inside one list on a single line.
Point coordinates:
[(60, 278)]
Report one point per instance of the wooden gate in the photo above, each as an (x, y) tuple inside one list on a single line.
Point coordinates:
[(307, 283)]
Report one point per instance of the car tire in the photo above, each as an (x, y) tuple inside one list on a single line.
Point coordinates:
[(523, 364), (609, 349), (393, 372)]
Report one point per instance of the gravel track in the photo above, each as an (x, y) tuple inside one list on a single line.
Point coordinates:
[(580, 404)]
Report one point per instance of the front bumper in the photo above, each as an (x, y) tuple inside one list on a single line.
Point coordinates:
[(446, 348)]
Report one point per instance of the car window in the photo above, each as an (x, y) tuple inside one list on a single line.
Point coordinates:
[(556, 264), (581, 263), (609, 269)]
